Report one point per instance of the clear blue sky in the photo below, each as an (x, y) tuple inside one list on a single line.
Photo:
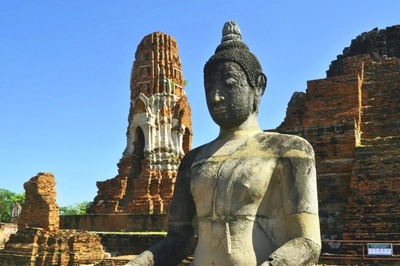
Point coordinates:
[(65, 70)]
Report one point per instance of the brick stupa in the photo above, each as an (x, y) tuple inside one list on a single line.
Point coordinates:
[(159, 133)]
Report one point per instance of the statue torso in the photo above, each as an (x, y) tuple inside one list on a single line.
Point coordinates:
[(232, 187)]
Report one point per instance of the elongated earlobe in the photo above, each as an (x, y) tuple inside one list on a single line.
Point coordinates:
[(261, 83)]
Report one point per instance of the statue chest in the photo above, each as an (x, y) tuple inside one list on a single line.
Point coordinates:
[(227, 187)]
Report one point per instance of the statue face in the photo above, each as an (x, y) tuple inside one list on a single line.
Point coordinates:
[(230, 99)]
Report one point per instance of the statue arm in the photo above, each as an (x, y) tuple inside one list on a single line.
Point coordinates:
[(299, 191), (179, 241)]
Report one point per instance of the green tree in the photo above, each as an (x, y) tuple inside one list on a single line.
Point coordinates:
[(76, 209), (7, 198)]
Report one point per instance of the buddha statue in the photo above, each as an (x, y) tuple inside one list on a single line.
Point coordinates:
[(251, 196)]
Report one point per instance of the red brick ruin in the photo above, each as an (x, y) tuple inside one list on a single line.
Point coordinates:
[(40, 208), (39, 241), (159, 133), (352, 120)]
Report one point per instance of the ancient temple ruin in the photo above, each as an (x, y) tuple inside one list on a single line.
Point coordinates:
[(158, 135), (352, 120), (39, 241)]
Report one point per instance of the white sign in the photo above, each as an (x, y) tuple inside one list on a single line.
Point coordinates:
[(380, 249)]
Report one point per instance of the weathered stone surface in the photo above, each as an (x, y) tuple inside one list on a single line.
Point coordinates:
[(251, 195), (159, 133), (15, 212), (39, 241), (352, 120), (328, 116)]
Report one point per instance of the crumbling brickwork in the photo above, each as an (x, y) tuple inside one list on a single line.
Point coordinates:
[(352, 120), (6, 229), (39, 241), (328, 115), (159, 133), (373, 206), (40, 208), (378, 44)]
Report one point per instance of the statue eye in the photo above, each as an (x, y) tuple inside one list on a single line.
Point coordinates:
[(230, 81), (229, 78)]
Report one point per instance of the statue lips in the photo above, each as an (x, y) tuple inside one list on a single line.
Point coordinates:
[(219, 110)]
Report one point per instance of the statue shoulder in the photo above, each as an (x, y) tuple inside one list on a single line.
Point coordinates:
[(280, 144), (189, 158)]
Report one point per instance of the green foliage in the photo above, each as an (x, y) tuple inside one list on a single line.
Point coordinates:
[(76, 209), (7, 198)]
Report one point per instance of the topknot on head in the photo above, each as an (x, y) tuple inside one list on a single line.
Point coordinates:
[(232, 48), (231, 31)]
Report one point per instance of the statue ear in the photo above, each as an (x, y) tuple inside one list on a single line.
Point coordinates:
[(261, 84)]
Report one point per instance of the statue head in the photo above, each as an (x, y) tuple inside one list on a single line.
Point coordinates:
[(232, 48), (235, 69)]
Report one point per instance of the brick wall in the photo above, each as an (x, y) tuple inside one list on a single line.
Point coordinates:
[(127, 244), (373, 211), (352, 120), (116, 223), (328, 116)]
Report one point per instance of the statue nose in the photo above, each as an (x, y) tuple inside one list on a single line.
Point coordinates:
[(218, 98)]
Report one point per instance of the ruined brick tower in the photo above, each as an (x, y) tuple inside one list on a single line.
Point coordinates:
[(159, 133), (352, 120), (39, 241)]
